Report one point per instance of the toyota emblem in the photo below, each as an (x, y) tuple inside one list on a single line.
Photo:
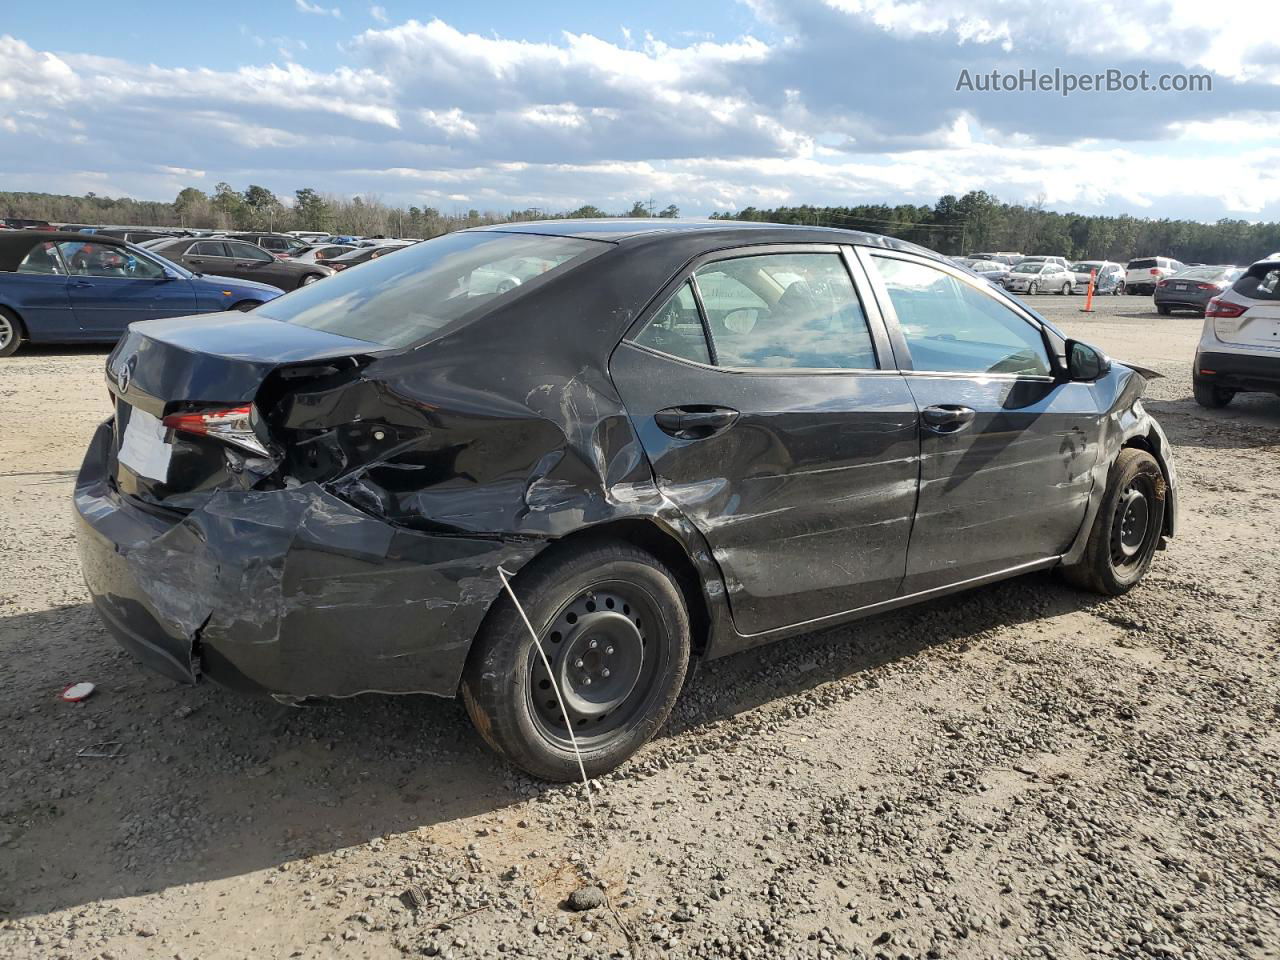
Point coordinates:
[(125, 374)]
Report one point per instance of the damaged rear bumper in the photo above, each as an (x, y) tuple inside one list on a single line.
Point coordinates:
[(291, 592)]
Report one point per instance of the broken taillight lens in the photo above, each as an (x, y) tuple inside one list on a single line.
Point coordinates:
[(233, 425)]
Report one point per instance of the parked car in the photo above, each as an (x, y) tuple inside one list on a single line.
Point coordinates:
[(1108, 276), (1034, 276), (134, 236), (320, 252), (1193, 288), (616, 442), (280, 244), (64, 287), (309, 236), (359, 255), (1239, 350), (23, 223), (1007, 257), (239, 258), (1060, 261), (991, 270), (1142, 274)]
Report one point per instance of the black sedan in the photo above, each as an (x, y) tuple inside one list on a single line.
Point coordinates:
[(677, 439), (239, 258)]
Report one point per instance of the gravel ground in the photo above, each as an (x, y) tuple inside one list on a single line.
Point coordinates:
[(1020, 771)]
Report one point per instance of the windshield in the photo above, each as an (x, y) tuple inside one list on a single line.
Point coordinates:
[(396, 300), (1084, 266), (1028, 268)]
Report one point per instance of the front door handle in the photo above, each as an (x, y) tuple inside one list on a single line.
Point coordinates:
[(82, 283), (695, 422), (947, 418)]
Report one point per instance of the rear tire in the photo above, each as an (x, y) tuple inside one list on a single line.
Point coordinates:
[(1119, 290), (1163, 309), (1210, 396), (597, 605), (1127, 529), (1066, 289), (11, 333)]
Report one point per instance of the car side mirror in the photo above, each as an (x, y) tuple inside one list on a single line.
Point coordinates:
[(1086, 364)]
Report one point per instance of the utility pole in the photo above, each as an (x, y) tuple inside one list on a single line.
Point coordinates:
[(651, 206)]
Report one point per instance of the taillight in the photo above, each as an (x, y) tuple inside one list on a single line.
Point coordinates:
[(1155, 271), (1209, 286), (1162, 283), (337, 266), (1217, 307), (233, 426)]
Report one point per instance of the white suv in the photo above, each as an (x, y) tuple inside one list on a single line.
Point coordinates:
[(1239, 350), (1142, 275)]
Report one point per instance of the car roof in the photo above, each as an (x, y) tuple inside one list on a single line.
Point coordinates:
[(625, 231)]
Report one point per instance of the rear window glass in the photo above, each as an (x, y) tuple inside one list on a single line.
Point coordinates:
[(398, 300), (1141, 264), (1261, 284)]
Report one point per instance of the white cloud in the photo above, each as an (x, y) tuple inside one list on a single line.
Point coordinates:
[(315, 8), (852, 101), (379, 14)]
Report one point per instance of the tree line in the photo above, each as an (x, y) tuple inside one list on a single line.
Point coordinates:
[(257, 208), (976, 221)]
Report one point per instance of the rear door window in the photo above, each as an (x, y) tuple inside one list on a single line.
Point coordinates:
[(953, 327), (785, 311), (676, 329), (42, 258), (207, 248), (248, 251)]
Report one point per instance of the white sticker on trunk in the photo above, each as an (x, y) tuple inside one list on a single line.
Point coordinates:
[(144, 450)]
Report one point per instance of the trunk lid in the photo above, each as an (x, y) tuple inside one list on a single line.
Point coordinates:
[(186, 365)]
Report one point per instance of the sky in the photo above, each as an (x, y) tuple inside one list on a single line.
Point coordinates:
[(710, 105)]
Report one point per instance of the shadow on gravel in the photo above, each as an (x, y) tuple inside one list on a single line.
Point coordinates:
[(210, 784), (1251, 420), (62, 350)]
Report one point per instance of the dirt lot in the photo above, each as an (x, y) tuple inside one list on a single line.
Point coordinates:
[(1023, 770)]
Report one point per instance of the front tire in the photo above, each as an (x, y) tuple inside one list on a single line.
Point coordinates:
[(11, 333), (1127, 529), (613, 624), (1033, 289), (1210, 396), (1119, 290), (309, 278), (1066, 289)]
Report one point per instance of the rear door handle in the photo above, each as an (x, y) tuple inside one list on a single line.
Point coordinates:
[(82, 283), (695, 422), (947, 417)]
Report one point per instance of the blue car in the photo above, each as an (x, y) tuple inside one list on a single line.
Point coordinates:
[(60, 287)]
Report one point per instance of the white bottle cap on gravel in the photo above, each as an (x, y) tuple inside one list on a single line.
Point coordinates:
[(77, 692)]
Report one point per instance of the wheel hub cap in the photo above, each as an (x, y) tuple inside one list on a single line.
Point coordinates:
[(1132, 516), (600, 664)]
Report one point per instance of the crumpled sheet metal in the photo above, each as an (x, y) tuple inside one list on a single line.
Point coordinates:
[(1127, 419), (279, 590)]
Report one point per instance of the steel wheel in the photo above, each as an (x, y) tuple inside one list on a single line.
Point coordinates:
[(7, 332), (600, 656), (1130, 525)]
